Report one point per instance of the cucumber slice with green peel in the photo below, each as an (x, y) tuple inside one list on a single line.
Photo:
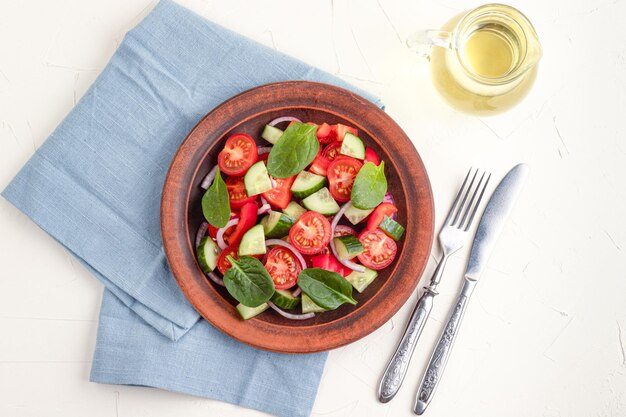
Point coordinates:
[(257, 180), (322, 202), (392, 228), (285, 300), (307, 183), (356, 215), (308, 306), (360, 280), (207, 254), (248, 312), (253, 242), (277, 224), (271, 134), (294, 210), (352, 146), (347, 246)]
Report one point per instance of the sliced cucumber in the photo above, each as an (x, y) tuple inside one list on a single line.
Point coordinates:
[(352, 146), (248, 312), (306, 184), (308, 306), (360, 280), (284, 299), (347, 246), (294, 210), (392, 228), (253, 242), (207, 254), (322, 202), (271, 134), (277, 224), (356, 215), (257, 180)]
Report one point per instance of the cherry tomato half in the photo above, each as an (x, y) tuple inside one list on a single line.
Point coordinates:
[(319, 164), (326, 134), (222, 263), (247, 219), (280, 195), (283, 267), (341, 174), (237, 192), (310, 234), (341, 230), (238, 155), (377, 216), (331, 151), (330, 263), (379, 249), (343, 129), (371, 156)]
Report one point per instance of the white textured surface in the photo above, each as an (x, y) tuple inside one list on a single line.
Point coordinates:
[(545, 334)]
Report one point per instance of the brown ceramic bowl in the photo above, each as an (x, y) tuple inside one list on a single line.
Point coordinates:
[(181, 215)]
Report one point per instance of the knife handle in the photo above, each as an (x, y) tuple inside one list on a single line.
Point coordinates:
[(399, 363), (439, 358)]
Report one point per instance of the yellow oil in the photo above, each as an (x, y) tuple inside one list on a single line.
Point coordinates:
[(491, 51), (488, 53)]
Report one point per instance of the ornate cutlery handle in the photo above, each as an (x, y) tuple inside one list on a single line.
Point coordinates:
[(440, 356), (399, 363)]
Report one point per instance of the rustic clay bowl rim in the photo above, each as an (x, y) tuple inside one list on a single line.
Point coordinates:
[(372, 123)]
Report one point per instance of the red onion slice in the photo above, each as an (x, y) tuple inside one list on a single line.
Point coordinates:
[(278, 242), (216, 279), (347, 263), (206, 182), (263, 201), (341, 230), (265, 208), (296, 292), (201, 232), (290, 315), (263, 150), (284, 119), (220, 233)]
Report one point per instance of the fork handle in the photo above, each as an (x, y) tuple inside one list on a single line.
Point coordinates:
[(442, 351), (399, 363)]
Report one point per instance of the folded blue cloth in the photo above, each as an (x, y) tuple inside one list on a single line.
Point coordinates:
[(95, 186)]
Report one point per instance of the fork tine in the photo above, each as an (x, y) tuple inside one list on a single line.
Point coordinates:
[(468, 208), (480, 197), (458, 197), (460, 208)]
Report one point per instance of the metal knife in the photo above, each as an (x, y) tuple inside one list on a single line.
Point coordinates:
[(489, 228)]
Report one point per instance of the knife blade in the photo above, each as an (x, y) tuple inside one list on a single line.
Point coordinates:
[(491, 224), (493, 219)]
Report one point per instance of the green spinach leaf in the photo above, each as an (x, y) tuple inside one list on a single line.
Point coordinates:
[(296, 148), (370, 186), (215, 202), (327, 289), (248, 281)]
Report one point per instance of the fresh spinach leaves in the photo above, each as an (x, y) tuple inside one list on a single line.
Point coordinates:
[(296, 148), (248, 281), (327, 289), (370, 186), (215, 202)]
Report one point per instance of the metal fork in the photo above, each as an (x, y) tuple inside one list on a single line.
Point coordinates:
[(452, 237)]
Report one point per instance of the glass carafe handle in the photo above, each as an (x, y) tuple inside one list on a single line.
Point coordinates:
[(422, 41)]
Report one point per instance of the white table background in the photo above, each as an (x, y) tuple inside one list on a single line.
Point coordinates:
[(545, 334)]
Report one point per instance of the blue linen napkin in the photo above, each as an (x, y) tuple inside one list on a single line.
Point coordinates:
[(95, 186)]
